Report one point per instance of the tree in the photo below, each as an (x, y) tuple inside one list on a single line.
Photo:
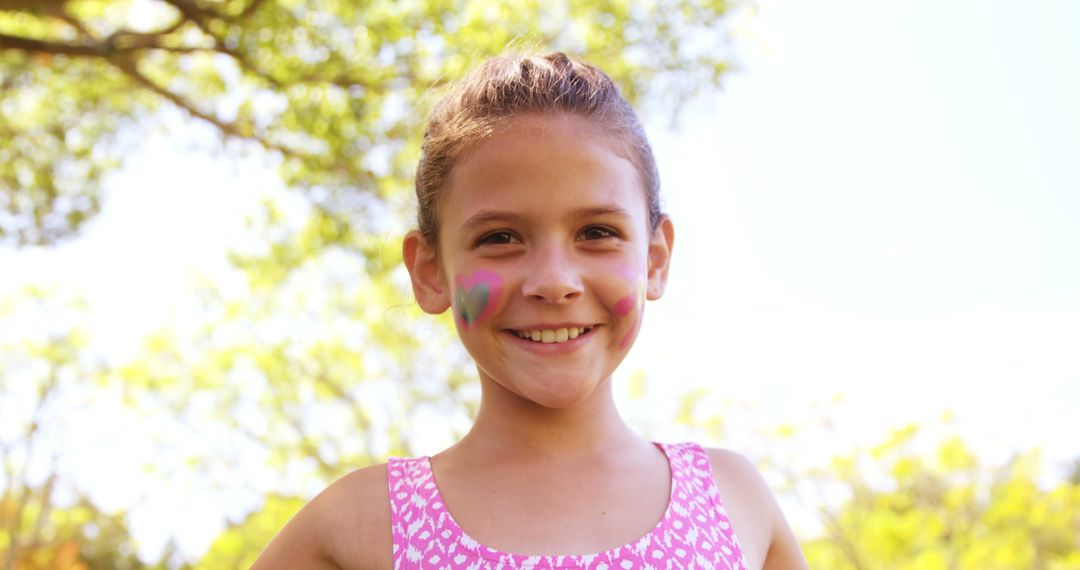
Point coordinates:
[(240, 544), (918, 499), (43, 364), (942, 510), (335, 90)]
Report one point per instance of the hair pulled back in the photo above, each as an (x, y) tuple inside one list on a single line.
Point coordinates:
[(510, 85)]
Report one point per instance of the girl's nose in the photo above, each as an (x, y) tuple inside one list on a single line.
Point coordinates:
[(554, 277)]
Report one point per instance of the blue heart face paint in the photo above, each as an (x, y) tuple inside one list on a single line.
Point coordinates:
[(472, 302), (475, 295)]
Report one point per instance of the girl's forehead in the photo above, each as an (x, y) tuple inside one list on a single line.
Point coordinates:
[(558, 127), (554, 161)]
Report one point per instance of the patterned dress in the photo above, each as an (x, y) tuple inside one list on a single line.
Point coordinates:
[(694, 533)]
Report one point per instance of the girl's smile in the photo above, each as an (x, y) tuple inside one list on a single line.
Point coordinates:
[(554, 340), (545, 253)]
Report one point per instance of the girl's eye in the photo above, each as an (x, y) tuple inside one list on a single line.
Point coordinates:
[(497, 238), (598, 232)]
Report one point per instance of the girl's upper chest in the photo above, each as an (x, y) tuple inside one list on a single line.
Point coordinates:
[(618, 520), (559, 513)]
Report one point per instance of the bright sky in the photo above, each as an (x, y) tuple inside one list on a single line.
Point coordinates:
[(881, 203), (885, 204)]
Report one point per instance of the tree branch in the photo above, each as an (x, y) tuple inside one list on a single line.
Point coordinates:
[(310, 448), (124, 41), (44, 509), (251, 8), (227, 129), (76, 24), (114, 45), (32, 6), (201, 18), (30, 45), (192, 11)]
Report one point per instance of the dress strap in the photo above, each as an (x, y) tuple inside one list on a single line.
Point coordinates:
[(407, 479), (692, 474)]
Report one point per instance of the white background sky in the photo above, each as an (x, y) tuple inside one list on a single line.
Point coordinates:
[(882, 202)]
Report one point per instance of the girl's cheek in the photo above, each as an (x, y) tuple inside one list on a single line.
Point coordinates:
[(625, 305), (476, 295), (631, 306)]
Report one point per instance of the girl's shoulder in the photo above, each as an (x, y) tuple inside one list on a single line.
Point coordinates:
[(763, 533), (346, 526), (733, 471)]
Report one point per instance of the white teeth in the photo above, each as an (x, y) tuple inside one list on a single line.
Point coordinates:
[(549, 336)]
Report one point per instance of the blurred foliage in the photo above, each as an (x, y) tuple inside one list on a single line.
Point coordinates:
[(240, 545), (907, 507), (78, 537), (336, 90), (42, 365), (920, 498)]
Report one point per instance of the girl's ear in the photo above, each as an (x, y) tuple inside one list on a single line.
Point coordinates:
[(660, 244), (422, 261)]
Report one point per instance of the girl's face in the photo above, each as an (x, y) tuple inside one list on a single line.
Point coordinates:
[(546, 258)]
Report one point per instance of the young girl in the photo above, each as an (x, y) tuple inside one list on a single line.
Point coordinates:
[(540, 228)]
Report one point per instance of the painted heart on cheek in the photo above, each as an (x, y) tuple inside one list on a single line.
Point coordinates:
[(471, 303), (476, 296)]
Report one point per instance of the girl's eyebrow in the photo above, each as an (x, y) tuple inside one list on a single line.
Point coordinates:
[(484, 217), (594, 211)]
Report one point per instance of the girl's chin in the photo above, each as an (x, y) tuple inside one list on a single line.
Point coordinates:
[(565, 393), (563, 401)]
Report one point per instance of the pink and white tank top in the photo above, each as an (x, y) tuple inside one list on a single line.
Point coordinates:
[(694, 533)]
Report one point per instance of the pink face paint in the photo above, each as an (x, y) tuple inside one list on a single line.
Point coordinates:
[(625, 305), (630, 335), (475, 296), (633, 301)]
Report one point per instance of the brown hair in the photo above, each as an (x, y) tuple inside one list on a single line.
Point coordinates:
[(505, 86)]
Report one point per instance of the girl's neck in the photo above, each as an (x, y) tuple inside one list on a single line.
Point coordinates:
[(513, 428)]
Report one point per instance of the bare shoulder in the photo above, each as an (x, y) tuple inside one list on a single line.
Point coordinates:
[(346, 526), (763, 533)]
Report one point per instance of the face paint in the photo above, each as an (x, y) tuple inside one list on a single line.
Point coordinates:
[(630, 335), (627, 304), (636, 300), (475, 295)]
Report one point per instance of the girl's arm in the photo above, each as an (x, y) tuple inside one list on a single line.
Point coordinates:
[(784, 550), (760, 527), (347, 526)]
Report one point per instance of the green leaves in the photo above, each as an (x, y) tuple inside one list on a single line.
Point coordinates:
[(945, 510), (321, 84), (241, 543)]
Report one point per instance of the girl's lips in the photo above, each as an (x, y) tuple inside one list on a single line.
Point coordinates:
[(550, 326), (563, 347)]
